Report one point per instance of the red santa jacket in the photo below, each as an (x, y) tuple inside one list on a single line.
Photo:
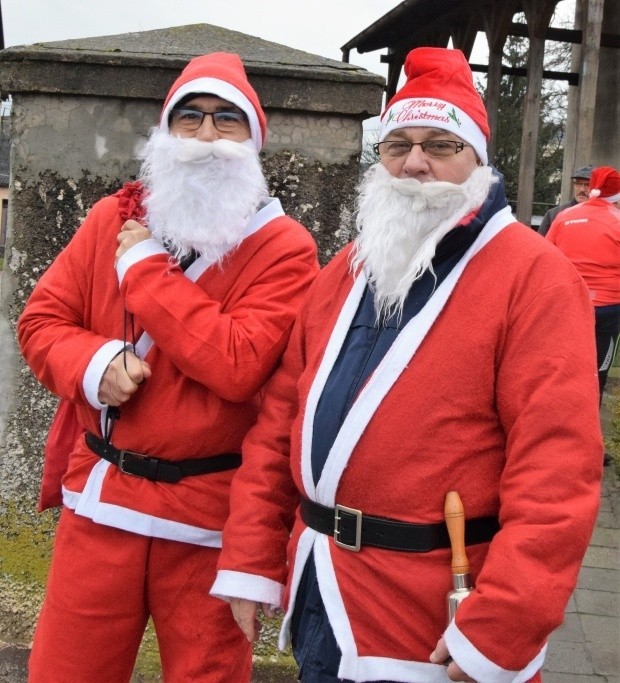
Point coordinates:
[(490, 391), (589, 235), (212, 336)]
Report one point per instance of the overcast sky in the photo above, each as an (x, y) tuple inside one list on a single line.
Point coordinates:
[(320, 26)]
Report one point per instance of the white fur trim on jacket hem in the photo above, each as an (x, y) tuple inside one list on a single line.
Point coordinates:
[(89, 504)]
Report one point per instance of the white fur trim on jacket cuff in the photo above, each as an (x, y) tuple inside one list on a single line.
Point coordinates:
[(137, 253), (229, 584), (480, 667), (97, 366)]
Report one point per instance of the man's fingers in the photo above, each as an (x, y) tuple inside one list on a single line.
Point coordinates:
[(122, 377), (244, 612), (440, 654), (131, 225)]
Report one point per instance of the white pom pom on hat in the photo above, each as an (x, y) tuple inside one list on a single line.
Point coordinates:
[(605, 183)]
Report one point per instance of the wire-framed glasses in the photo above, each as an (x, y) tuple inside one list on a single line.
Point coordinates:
[(434, 148), (190, 120)]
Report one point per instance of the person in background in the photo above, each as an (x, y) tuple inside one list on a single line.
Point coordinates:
[(589, 235), (439, 352), (163, 329), (580, 180)]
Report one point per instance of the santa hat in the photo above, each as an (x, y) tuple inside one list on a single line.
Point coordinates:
[(439, 93), (605, 183), (221, 74)]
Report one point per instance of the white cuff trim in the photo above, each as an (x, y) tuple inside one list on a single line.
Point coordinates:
[(480, 667), (229, 584), (137, 253), (94, 372)]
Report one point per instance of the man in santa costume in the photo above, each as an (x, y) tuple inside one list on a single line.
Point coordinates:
[(446, 349), (589, 235), (162, 320)]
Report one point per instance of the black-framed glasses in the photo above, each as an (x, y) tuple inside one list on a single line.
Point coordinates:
[(190, 120), (434, 148)]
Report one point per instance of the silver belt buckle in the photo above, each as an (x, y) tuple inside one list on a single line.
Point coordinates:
[(357, 546), (131, 454)]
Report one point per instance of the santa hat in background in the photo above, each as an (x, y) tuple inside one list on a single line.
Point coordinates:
[(439, 93), (221, 74), (605, 183)]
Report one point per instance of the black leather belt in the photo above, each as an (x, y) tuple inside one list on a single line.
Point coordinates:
[(352, 529), (156, 469)]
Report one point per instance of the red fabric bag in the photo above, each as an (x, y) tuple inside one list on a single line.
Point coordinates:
[(64, 432), (65, 428)]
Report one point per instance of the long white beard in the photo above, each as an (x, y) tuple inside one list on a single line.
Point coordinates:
[(200, 195), (400, 223)]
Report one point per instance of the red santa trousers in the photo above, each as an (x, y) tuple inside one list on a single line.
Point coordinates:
[(103, 585)]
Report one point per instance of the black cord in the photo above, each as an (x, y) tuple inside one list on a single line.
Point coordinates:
[(127, 345), (112, 414)]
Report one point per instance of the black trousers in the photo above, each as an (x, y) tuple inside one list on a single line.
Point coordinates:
[(314, 645), (607, 329)]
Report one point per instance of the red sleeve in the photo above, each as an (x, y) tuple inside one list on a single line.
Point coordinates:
[(263, 495), (55, 330), (230, 343)]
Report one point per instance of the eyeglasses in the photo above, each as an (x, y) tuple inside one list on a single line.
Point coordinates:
[(434, 148), (581, 183), (190, 120)]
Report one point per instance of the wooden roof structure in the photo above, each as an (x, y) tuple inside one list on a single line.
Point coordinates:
[(417, 23)]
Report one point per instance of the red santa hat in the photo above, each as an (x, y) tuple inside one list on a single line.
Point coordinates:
[(221, 74), (439, 93), (605, 183)]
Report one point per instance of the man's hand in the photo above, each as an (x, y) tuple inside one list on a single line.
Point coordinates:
[(118, 384), (244, 611), (131, 233), (441, 655)]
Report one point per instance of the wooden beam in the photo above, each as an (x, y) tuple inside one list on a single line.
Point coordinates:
[(565, 35), (571, 77), (496, 23), (588, 77), (464, 37), (538, 14)]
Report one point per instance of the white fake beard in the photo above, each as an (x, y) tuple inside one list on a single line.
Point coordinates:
[(401, 222), (200, 195)]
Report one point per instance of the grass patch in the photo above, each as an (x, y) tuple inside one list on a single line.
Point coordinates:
[(611, 399)]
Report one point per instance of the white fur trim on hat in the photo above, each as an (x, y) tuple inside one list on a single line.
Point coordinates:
[(433, 113), (223, 89)]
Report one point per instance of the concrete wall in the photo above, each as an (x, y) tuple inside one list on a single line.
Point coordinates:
[(80, 111)]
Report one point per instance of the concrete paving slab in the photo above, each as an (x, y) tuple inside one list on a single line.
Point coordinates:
[(598, 556), (599, 579), (607, 538), (568, 658), (603, 636), (601, 603), (573, 678), (570, 631)]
